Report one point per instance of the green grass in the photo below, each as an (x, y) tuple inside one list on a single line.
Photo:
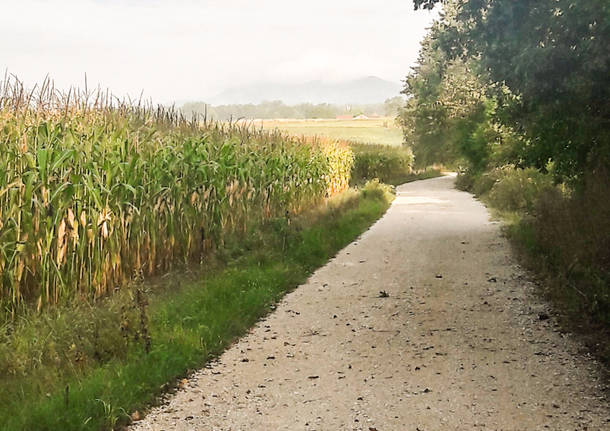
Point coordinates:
[(189, 321), (380, 131)]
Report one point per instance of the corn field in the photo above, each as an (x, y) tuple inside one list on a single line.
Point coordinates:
[(95, 192)]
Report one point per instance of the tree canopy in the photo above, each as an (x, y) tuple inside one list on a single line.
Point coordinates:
[(531, 74)]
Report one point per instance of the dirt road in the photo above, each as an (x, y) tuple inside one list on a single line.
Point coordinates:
[(425, 323)]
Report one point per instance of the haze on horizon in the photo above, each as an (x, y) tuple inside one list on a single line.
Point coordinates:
[(174, 51)]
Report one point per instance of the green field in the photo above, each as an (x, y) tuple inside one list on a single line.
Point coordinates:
[(382, 131)]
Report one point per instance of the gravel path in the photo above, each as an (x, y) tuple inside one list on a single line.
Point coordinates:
[(425, 323)]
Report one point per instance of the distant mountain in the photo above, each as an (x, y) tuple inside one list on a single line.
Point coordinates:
[(365, 90)]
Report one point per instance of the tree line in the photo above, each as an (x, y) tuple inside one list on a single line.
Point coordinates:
[(515, 95), (278, 109), (522, 82)]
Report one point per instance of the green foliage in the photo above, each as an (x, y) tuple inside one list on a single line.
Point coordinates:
[(517, 189), (94, 196), (391, 165), (573, 233), (554, 55), (393, 106), (426, 4), (546, 63), (508, 188), (423, 119), (520, 92), (449, 118), (566, 242), (51, 378)]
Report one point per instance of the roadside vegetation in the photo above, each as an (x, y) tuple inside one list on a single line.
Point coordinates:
[(515, 96), (135, 245), (389, 164), (376, 144), (91, 367)]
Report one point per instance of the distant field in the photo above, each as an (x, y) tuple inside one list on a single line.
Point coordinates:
[(368, 131)]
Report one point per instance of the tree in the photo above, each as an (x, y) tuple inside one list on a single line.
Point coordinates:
[(551, 57), (392, 106), (425, 4)]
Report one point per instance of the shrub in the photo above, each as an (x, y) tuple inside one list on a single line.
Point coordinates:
[(573, 233), (391, 165), (515, 189)]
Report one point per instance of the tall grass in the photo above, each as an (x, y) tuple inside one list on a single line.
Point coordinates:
[(95, 191)]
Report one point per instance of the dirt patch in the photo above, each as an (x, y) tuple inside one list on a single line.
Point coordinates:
[(425, 323)]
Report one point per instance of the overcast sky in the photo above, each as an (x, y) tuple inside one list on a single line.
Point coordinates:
[(189, 50)]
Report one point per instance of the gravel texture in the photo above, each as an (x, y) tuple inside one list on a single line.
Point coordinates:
[(426, 322)]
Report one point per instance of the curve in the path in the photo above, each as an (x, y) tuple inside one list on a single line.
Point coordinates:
[(424, 323)]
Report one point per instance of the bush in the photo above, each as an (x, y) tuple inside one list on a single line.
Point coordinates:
[(391, 165), (377, 190), (465, 181), (515, 189), (572, 232)]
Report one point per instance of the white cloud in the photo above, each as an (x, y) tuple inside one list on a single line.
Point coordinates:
[(177, 50)]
